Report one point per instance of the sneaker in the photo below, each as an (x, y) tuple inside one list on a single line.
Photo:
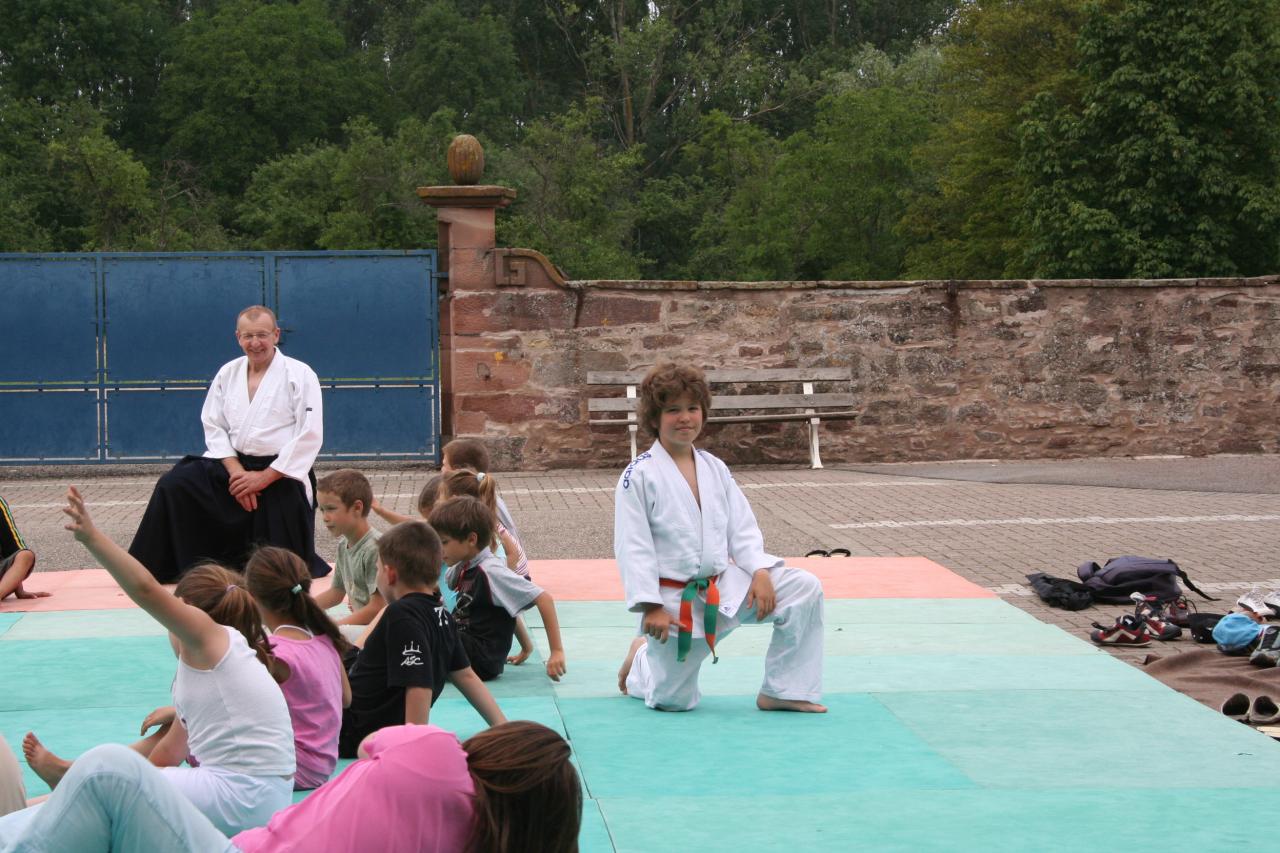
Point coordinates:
[(1179, 611), (1253, 600), (1272, 600), (1159, 626), (1128, 631)]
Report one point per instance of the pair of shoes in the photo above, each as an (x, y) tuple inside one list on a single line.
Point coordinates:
[(1160, 626), (834, 552), (1129, 630), (1260, 711), (1263, 603)]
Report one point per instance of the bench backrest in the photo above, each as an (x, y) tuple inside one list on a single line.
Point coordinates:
[(721, 402)]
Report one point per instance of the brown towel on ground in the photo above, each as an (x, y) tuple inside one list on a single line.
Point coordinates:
[(1209, 676)]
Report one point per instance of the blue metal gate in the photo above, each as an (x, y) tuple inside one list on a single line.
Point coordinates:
[(106, 357)]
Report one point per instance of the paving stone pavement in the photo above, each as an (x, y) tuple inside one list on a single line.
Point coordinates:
[(993, 533)]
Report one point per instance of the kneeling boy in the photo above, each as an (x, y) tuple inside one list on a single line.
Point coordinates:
[(414, 648)]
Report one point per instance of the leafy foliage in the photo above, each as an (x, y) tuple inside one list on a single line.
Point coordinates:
[(659, 138)]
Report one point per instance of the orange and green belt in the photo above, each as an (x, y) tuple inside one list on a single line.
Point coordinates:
[(690, 592)]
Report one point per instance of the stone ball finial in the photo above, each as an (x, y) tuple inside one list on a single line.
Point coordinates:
[(466, 160)]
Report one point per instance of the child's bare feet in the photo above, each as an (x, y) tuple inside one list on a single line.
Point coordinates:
[(46, 765), (773, 703), (626, 664), (22, 593)]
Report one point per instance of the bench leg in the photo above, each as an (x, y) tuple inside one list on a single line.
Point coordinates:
[(815, 460), (633, 429)]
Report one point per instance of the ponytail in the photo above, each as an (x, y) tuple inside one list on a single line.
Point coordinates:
[(221, 593), (279, 581), (467, 483)]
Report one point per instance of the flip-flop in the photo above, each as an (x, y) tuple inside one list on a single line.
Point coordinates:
[(1236, 707), (839, 552), (817, 552), (1264, 712)]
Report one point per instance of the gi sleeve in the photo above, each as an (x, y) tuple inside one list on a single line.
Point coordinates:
[(408, 652), (633, 541), (509, 590), (217, 431), (746, 542), (298, 455)]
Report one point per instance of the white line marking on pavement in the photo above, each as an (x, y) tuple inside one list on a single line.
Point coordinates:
[(562, 490), (1088, 519)]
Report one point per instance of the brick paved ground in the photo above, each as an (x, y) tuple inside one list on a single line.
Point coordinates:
[(993, 533)]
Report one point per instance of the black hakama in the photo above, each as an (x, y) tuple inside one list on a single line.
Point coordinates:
[(192, 518)]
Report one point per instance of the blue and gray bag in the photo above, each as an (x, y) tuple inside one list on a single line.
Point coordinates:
[(1120, 577)]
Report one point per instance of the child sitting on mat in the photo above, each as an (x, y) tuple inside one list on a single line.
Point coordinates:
[(228, 712), (413, 648), (463, 482), (490, 595), (694, 566), (304, 637), (16, 559)]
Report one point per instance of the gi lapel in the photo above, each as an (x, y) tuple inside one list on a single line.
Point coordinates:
[(267, 390)]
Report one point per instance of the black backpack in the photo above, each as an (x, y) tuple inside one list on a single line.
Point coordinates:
[(1120, 577)]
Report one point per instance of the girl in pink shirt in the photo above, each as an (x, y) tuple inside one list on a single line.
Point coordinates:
[(306, 639)]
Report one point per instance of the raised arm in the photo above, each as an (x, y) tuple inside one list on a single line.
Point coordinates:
[(204, 641), (387, 515)]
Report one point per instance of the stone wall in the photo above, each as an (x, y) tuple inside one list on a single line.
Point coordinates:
[(942, 370)]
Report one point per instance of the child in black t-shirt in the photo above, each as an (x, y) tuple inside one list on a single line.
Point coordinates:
[(16, 559), (490, 595), (413, 649)]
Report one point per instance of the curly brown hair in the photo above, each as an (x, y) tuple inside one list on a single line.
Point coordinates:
[(666, 382)]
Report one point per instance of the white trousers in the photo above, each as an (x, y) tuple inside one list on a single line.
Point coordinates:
[(792, 665)]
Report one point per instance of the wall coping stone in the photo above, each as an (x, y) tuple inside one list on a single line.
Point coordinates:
[(993, 284)]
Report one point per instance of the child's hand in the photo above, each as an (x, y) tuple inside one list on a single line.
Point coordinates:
[(81, 525), (761, 594), (159, 717), (521, 657), (658, 623), (555, 665)]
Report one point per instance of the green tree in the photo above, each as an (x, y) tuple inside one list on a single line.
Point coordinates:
[(575, 198), (355, 195), (444, 59), (105, 52), (252, 80), (831, 204), (1169, 163), (963, 219)]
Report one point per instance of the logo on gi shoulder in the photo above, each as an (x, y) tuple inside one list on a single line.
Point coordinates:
[(626, 475), (411, 655)]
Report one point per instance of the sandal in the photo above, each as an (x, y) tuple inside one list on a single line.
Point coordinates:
[(817, 552)]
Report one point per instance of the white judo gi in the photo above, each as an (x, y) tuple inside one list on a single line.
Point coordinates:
[(660, 531), (284, 419)]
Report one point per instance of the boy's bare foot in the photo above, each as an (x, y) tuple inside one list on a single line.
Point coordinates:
[(46, 765), (626, 664), (22, 593), (773, 703)]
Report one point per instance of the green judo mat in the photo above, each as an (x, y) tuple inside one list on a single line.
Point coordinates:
[(954, 724)]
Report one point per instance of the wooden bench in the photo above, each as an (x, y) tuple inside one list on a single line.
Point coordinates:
[(807, 401)]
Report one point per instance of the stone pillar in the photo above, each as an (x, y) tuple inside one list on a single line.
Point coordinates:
[(465, 217)]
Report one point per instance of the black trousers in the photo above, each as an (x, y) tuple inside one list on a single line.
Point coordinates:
[(192, 518)]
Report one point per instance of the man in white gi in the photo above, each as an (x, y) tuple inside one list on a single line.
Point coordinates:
[(263, 426), (693, 563)]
